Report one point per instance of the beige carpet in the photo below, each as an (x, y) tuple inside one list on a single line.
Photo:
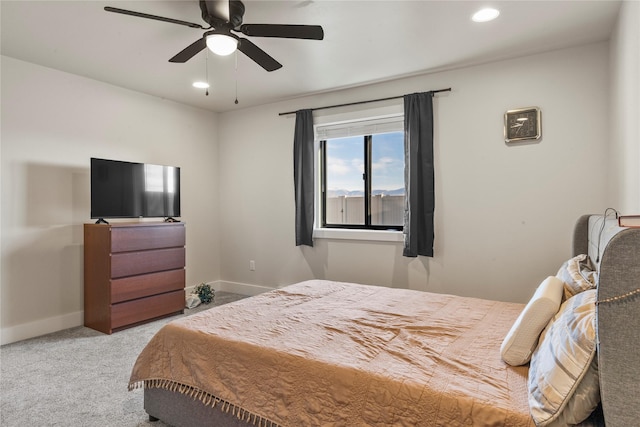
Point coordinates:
[(78, 377)]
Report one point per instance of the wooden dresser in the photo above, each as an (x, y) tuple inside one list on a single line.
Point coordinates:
[(133, 273)]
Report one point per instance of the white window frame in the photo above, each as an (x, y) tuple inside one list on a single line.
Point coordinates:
[(330, 126)]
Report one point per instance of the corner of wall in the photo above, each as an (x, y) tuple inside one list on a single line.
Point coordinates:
[(624, 163)]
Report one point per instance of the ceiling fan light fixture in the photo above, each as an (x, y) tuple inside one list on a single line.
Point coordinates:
[(222, 44)]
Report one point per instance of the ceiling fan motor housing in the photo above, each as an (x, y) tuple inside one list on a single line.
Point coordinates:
[(211, 16)]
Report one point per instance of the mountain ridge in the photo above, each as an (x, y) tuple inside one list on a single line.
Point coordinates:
[(359, 193)]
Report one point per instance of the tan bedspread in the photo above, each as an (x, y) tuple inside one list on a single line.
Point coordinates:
[(323, 353)]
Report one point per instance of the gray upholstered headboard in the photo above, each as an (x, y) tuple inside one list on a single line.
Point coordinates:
[(616, 253)]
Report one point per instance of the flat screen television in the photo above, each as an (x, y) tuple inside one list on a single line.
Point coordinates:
[(122, 189)]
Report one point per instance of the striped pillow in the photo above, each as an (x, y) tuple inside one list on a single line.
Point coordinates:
[(563, 375), (578, 275)]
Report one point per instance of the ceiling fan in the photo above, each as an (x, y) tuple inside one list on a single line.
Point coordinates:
[(224, 18)]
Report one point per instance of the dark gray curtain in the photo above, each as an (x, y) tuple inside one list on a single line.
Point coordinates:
[(418, 174), (303, 177)]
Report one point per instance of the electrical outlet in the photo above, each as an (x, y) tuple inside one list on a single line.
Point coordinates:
[(252, 265)]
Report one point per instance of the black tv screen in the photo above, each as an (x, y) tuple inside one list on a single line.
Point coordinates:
[(122, 189)]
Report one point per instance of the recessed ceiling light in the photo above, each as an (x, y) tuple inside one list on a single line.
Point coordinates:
[(201, 85), (484, 15)]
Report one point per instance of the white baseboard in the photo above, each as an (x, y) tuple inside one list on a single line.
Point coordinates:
[(236, 288), (41, 327)]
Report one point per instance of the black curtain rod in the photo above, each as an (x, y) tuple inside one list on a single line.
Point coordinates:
[(360, 102)]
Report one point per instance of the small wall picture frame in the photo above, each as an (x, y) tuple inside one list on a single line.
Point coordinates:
[(522, 124)]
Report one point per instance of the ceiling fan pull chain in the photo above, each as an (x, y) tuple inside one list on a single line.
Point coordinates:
[(206, 71), (236, 102)]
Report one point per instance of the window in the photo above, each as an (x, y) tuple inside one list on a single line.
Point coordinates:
[(159, 179), (362, 174)]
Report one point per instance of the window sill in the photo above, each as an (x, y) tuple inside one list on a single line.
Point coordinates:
[(372, 235)]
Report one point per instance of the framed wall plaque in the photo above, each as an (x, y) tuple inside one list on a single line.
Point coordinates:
[(522, 124)]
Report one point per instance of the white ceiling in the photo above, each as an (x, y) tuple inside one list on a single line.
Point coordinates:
[(365, 42)]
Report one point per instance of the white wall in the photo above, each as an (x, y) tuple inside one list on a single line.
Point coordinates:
[(624, 183), (503, 217), (504, 214), (52, 123)]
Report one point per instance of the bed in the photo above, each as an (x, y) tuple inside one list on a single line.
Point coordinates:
[(342, 354)]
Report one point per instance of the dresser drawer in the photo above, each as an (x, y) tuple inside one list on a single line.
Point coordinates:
[(134, 263), (139, 310), (144, 237), (133, 287)]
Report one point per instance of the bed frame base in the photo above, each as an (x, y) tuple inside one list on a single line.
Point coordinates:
[(180, 410)]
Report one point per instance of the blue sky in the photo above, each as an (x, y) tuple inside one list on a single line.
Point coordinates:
[(345, 162)]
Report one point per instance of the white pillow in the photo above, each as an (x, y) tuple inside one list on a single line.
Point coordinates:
[(522, 339), (563, 376)]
